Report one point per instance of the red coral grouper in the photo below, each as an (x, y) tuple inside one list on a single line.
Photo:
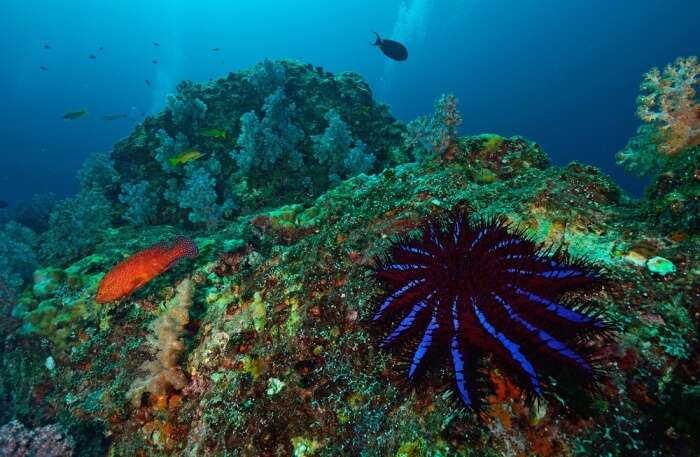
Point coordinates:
[(137, 270)]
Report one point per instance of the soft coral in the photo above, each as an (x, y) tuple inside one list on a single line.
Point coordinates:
[(669, 101), (669, 107)]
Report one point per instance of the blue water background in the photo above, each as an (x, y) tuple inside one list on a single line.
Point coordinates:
[(562, 73)]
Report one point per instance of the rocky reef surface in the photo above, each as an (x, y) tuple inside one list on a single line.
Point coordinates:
[(264, 343)]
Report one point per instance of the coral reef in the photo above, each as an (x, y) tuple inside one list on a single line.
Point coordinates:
[(668, 147), (18, 258), (35, 212), (76, 225), (267, 347), (199, 196), (48, 441), (269, 114), (436, 135), (139, 202), (670, 109), (334, 148), (271, 142)]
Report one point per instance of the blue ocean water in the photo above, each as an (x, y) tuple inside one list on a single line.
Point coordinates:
[(564, 74)]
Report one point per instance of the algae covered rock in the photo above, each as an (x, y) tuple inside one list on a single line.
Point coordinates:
[(673, 198), (276, 352)]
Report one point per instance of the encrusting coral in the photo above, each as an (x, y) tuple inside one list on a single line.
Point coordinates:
[(163, 374)]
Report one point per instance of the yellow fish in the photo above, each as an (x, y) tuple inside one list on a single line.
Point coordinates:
[(215, 133), (185, 156)]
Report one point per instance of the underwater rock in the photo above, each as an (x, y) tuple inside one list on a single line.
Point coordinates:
[(660, 266), (274, 354)]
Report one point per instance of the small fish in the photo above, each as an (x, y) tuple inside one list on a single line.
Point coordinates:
[(215, 133), (3, 204), (92, 57), (47, 46), (185, 156), (392, 49), (42, 68), (102, 48), (114, 117), (72, 115), (139, 269), (148, 83), (154, 61), (216, 49), (155, 43)]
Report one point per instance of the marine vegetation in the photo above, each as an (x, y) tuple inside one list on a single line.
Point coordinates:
[(263, 344), (481, 289), (669, 108)]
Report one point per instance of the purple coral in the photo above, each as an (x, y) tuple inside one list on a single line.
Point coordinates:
[(18, 441), (474, 289)]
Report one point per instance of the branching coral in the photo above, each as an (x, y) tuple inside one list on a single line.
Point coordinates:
[(169, 147), (97, 174), (669, 107), (75, 226), (266, 76), (199, 196), (359, 159), (34, 213), (163, 374), (271, 141), (139, 201), (77, 223), (281, 135), (186, 111), (250, 143), (669, 101), (333, 149), (436, 135), (17, 257)]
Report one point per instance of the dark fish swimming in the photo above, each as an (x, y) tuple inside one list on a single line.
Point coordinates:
[(216, 49), (102, 48), (154, 61), (72, 115), (392, 49), (92, 57), (155, 43), (114, 117), (42, 68), (148, 83), (47, 46)]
